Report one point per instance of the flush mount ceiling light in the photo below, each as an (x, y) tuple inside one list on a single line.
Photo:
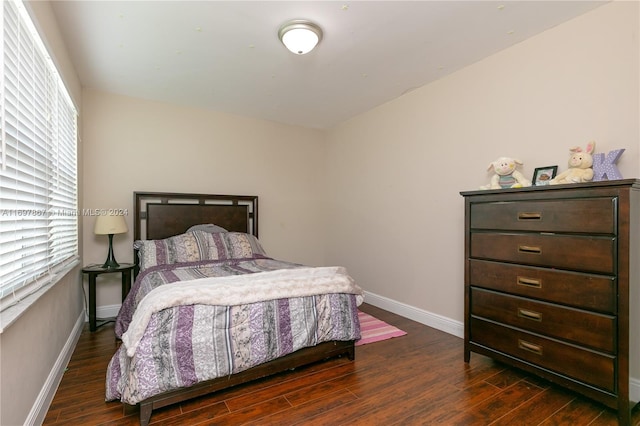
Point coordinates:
[(300, 36)]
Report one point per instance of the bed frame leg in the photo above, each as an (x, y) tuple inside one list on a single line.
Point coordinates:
[(145, 414)]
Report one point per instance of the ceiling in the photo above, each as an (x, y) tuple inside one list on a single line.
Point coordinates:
[(226, 55)]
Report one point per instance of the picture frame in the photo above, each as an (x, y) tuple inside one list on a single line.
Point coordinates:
[(542, 175)]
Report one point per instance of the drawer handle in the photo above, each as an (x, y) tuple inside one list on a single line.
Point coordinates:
[(529, 215), (536, 349), (530, 249), (531, 315), (529, 282)]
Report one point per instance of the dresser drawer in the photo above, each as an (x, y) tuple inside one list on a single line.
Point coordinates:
[(588, 215), (584, 253), (596, 331), (588, 291), (584, 365)]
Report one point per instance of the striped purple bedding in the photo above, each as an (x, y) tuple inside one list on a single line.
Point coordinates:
[(185, 345)]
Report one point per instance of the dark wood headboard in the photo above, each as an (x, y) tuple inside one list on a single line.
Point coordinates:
[(159, 215)]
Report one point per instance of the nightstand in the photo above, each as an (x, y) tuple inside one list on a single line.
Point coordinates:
[(125, 269)]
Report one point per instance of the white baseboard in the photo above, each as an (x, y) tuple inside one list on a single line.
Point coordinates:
[(634, 389), (436, 321), (41, 405), (108, 311), (450, 326)]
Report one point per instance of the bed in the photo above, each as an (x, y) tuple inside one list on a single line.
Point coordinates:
[(209, 309)]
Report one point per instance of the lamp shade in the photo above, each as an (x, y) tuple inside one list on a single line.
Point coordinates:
[(300, 36), (110, 224)]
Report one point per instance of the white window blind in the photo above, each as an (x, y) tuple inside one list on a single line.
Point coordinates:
[(38, 162)]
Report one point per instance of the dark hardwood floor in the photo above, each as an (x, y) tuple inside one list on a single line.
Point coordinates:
[(417, 379)]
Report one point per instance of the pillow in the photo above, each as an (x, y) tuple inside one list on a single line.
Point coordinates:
[(187, 247), (209, 227), (231, 245)]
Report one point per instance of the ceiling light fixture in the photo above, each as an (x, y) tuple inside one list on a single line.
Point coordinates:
[(300, 36)]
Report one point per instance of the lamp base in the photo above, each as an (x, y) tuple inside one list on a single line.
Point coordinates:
[(110, 263)]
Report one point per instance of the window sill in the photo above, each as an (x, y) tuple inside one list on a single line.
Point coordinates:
[(12, 313)]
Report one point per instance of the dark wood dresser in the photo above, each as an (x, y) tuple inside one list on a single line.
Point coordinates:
[(551, 284)]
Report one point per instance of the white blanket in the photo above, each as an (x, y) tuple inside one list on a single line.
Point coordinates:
[(239, 290)]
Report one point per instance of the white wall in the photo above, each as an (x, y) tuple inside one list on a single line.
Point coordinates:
[(382, 190), (395, 216), (136, 145)]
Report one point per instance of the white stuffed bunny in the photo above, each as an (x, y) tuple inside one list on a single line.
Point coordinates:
[(506, 174), (580, 163)]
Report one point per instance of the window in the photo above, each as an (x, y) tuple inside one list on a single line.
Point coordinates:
[(38, 162)]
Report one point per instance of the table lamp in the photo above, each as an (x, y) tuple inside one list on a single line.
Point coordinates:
[(110, 225)]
